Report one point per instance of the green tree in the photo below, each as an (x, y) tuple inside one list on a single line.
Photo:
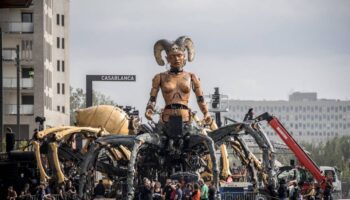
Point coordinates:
[(78, 101), (335, 152)]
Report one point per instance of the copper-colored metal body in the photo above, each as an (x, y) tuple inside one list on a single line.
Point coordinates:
[(176, 89), (93, 122), (176, 84)]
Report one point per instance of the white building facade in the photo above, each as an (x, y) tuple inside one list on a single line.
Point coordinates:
[(307, 118), (42, 33)]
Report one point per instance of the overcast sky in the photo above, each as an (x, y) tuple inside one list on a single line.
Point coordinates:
[(251, 49)]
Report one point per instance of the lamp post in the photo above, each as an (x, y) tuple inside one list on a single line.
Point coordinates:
[(218, 104), (1, 94), (18, 96)]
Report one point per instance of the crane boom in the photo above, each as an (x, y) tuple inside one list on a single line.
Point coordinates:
[(287, 138)]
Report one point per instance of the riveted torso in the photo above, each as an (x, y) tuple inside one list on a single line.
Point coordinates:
[(175, 88)]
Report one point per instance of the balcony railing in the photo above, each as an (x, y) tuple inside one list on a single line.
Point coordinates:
[(25, 83), (9, 54), (17, 27), (11, 109)]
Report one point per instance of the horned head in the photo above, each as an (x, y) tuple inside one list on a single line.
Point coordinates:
[(180, 45)]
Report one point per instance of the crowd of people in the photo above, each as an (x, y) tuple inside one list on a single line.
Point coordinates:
[(172, 190), (295, 191), (176, 190), (42, 192)]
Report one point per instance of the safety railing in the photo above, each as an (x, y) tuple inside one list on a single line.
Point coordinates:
[(11, 109), (242, 196), (54, 197), (17, 27), (12, 83), (9, 54)]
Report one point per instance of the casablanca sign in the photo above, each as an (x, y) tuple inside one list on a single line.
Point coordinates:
[(91, 78)]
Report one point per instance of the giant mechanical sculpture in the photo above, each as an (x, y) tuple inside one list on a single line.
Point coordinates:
[(178, 145)]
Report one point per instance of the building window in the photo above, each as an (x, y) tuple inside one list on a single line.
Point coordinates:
[(58, 108), (27, 17), (27, 100), (62, 43), (62, 65), (27, 72), (58, 88), (63, 88), (26, 49), (58, 42), (63, 109), (58, 19), (58, 65), (62, 20)]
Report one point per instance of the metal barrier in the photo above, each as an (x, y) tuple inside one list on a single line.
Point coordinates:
[(53, 197), (242, 196)]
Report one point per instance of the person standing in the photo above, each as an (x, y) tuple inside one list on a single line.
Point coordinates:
[(212, 191), (187, 192), (179, 193), (157, 191), (292, 189), (204, 190), (99, 190), (40, 193), (11, 193), (196, 195), (327, 194), (146, 190), (25, 193), (282, 190), (310, 193), (167, 189)]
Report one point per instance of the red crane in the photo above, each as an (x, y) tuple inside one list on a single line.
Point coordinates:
[(287, 138)]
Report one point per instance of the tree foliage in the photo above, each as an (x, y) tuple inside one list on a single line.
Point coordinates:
[(78, 101), (335, 152)]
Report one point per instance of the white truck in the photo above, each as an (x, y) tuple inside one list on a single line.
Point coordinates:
[(333, 172)]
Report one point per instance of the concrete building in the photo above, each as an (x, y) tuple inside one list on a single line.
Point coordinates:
[(308, 118), (42, 33)]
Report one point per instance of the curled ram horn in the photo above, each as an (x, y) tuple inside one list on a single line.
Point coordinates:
[(159, 46), (186, 42)]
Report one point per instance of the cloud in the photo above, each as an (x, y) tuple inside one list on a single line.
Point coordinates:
[(257, 49)]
